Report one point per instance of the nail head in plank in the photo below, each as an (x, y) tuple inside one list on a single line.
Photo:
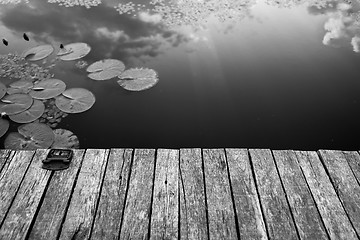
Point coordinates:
[(220, 207), (11, 177), (81, 211), (136, 219), (165, 207), (112, 199), (193, 223), (345, 184), (247, 205), (26, 202), (48, 221), (272, 196), (336, 222), (306, 215)]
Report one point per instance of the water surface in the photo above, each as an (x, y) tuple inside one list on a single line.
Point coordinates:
[(276, 77)]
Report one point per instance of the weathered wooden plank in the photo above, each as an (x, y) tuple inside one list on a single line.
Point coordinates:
[(27, 200), (218, 196), (112, 200), (345, 184), (250, 220), (336, 222), (48, 221), (193, 219), (81, 212), (273, 200), (136, 220), (11, 176), (353, 159), (306, 215), (165, 207), (4, 154)]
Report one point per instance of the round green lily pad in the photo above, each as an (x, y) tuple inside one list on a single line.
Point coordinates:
[(105, 69), (138, 79), (47, 89), (30, 136), (38, 53), (4, 126), (2, 89), (75, 100), (31, 114), (65, 139), (74, 51), (21, 86), (15, 103)]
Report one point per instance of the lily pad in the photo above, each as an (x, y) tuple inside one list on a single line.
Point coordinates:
[(48, 89), (65, 139), (75, 100), (138, 79), (21, 86), (30, 136), (2, 89), (4, 126), (15, 103), (74, 51), (105, 69), (31, 114), (38, 53)]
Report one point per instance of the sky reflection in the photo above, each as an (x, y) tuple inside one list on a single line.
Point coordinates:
[(283, 75)]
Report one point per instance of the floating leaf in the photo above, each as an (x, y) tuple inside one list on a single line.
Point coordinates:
[(48, 89), (5, 42), (30, 136), (38, 53), (2, 89), (75, 100), (75, 51), (4, 126), (105, 69), (15, 103), (31, 114), (138, 79), (65, 139), (26, 37), (21, 86)]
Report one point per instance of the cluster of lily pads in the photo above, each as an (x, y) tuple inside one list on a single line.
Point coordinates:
[(40, 101), (40, 104)]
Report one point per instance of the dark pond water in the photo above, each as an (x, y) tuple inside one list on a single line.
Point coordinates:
[(273, 76)]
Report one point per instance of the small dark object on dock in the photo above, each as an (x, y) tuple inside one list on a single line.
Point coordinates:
[(25, 37), (57, 159), (5, 42)]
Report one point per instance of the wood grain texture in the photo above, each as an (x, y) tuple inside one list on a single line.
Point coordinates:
[(250, 220), (82, 208), (306, 215), (218, 196), (345, 184), (4, 154), (112, 200), (165, 207), (353, 159), (58, 194), (27, 200), (136, 220), (335, 219), (272, 196), (193, 219), (11, 176)]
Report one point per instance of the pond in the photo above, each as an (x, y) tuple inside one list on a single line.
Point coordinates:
[(235, 73)]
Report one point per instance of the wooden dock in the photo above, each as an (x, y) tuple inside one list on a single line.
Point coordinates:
[(181, 194)]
